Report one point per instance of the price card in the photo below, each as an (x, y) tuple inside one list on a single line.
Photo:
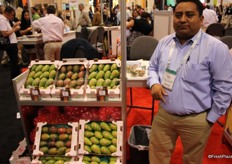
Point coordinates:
[(35, 94), (65, 94), (102, 94)]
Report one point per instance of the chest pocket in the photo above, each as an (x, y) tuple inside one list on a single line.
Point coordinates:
[(191, 72)]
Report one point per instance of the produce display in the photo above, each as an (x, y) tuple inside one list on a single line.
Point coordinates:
[(71, 76), (54, 160), (99, 159), (55, 139), (41, 75), (100, 138), (105, 75)]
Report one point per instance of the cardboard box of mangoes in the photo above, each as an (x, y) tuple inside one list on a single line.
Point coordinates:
[(71, 76), (56, 139), (41, 76), (104, 73), (100, 138)]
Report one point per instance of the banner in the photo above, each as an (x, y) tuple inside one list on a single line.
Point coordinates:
[(73, 4)]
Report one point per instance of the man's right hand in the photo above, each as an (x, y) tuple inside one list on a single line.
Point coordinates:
[(158, 92)]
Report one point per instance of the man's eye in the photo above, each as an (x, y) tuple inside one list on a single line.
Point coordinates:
[(178, 15), (189, 15)]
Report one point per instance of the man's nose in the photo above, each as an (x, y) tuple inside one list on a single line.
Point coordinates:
[(183, 18)]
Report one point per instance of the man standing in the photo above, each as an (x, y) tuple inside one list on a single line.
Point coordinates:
[(84, 21), (185, 73), (52, 29), (8, 31), (210, 17)]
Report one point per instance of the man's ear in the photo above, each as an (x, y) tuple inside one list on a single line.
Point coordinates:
[(202, 18)]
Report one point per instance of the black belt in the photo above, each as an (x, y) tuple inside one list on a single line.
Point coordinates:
[(190, 114), (52, 41)]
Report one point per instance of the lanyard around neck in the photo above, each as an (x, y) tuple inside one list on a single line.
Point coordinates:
[(186, 56)]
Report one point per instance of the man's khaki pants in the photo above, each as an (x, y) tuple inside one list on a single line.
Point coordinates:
[(193, 130), (52, 50)]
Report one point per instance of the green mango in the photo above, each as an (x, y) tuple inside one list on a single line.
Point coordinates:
[(113, 67), (107, 75), (93, 68), (87, 148), (100, 82), (49, 82), (114, 134), (42, 82), (44, 149), (52, 74), (98, 135), (44, 75), (92, 75), (35, 82), (52, 68), (86, 158), (95, 159), (87, 141), (105, 150), (39, 68), (94, 140), (76, 68), (106, 68), (100, 75), (101, 67), (33, 67), (46, 68), (105, 142), (37, 74), (107, 83), (105, 126), (113, 126), (80, 81), (88, 134), (96, 149), (112, 148), (31, 74), (28, 82), (114, 74), (114, 141), (95, 126), (74, 76), (88, 127), (62, 76), (113, 159), (107, 135)]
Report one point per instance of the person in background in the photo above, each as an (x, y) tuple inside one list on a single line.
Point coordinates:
[(96, 17), (52, 29), (26, 29), (34, 12), (84, 21), (185, 75), (69, 22), (135, 15), (91, 13), (8, 31), (229, 14), (210, 17), (60, 15)]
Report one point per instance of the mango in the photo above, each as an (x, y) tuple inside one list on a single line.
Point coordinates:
[(105, 126), (76, 68), (52, 68), (45, 68), (87, 141), (42, 82), (59, 144), (114, 74), (95, 126), (88, 134), (37, 74), (113, 159), (113, 67), (92, 82), (80, 81), (63, 137), (87, 148), (42, 143), (103, 162), (95, 159), (49, 82), (52, 151), (114, 141), (69, 68), (44, 149), (85, 162), (86, 158), (28, 82), (94, 140), (112, 162), (113, 126), (114, 134), (112, 148), (96, 149), (93, 68), (39, 68), (61, 151), (107, 75), (73, 84), (67, 81), (31, 74), (100, 82), (105, 142), (92, 75), (35, 82), (87, 127), (107, 135), (33, 67), (81, 74), (106, 68), (69, 74), (52, 74), (63, 69), (44, 75), (98, 135), (53, 136), (105, 150), (100, 74), (107, 83), (62, 76), (74, 76), (100, 67), (60, 83)]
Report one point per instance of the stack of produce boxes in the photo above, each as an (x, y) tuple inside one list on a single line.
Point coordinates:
[(71, 75), (100, 142), (41, 75), (55, 143), (104, 73)]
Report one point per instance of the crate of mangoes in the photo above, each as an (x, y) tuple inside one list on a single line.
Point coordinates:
[(71, 76), (53, 159), (100, 138), (96, 159), (104, 73), (56, 139), (41, 76)]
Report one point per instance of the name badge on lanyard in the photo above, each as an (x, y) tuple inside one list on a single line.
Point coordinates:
[(168, 79)]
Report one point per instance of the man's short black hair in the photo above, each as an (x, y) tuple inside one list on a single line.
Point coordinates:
[(51, 9), (8, 9), (35, 9), (198, 3)]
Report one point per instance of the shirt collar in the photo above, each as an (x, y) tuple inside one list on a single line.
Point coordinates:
[(190, 40)]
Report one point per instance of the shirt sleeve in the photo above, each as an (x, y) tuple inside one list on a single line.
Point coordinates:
[(221, 70), (153, 69), (36, 24)]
